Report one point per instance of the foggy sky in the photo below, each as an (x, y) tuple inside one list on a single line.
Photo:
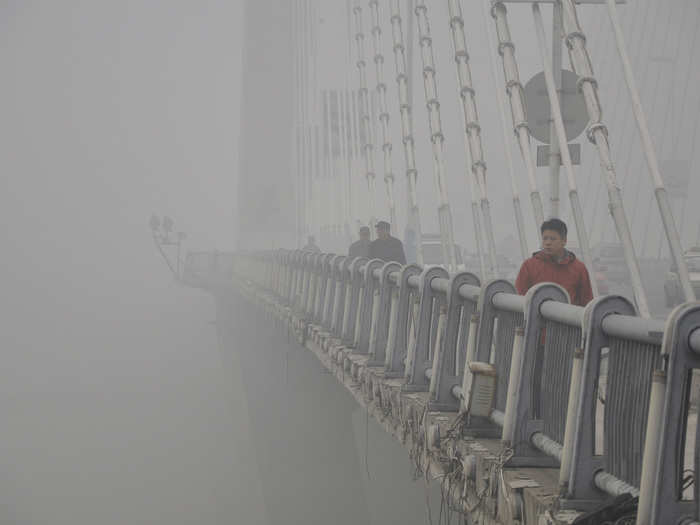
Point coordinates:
[(114, 406)]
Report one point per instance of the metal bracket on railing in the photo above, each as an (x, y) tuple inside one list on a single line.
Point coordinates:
[(524, 453), (364, 317), (585, 463), (380, 334), (355, 282), (396, 360), (449, 368), (682, 330), (426, 332)]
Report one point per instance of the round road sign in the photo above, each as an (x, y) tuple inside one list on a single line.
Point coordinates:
[(537, 106)]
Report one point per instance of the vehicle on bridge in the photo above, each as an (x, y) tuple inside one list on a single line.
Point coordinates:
[(672, 284), (432, 252), (609, 263)]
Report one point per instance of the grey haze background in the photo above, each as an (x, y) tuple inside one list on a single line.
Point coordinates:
[(114, 405)]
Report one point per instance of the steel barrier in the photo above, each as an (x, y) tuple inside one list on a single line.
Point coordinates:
[(597, 391)]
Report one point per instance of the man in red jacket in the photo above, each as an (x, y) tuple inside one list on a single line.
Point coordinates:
[(555, 264)]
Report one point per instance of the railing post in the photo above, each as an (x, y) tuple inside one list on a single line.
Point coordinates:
[(314, 262), (340, 293), (353, 290), (683, 358), (281, 273), (298, 277), (308, 262), (397, 352), (584, 462), (469, 352), (331, 269), (487, 317), (524, 454), (272, 269), (379, 337), (651, 447), (419, 358), (364, 315), (477, 425), (339, 299), (445, 374), (290, 276), (571, 411), (311, 280), (321, 287), (513, 388)]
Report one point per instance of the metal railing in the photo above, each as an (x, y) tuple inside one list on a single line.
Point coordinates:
[(561, 385)]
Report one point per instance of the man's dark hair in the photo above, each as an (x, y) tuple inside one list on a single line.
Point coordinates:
[(556, 225), (365, 229)]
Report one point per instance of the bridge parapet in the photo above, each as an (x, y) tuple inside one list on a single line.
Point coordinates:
[(535, 409)]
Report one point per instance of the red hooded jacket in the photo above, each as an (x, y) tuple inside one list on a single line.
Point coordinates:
[(570, 273)]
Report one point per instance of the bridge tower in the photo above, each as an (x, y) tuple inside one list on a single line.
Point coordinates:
[(266, 204)]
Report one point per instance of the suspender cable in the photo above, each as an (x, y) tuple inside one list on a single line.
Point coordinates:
[(517, 105), (472, 128), (332, 192), (354, 148), (296, 143), (348, 118), (662, 201), (436, 136), (517, 209), (327, 189), (345, 163), (598, 135), (405, 108), (383, 112), (368, 146), (316, 144), (307, 174), (555, 111)]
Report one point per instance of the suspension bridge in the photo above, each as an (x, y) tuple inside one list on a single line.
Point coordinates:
[(524, 409)]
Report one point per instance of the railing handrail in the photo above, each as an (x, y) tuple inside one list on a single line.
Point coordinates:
[(447, 305)]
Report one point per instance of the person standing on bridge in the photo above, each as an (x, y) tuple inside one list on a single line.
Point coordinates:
[(385, 246), (555, 264), (360, 248), (311, 245)]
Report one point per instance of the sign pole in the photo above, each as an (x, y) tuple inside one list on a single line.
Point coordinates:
[(554, 151)]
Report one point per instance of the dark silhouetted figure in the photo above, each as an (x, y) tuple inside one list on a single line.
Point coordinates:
[(385, 246), (360, 248)]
